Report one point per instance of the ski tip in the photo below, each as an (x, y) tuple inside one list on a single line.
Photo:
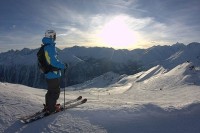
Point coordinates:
[(84, 100), (79, 98)]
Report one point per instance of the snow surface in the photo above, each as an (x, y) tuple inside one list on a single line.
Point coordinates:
[(153, 101)]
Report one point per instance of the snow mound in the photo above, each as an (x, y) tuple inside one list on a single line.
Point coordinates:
[(157, 70), (156, 78), (102, 81), (187, 73)]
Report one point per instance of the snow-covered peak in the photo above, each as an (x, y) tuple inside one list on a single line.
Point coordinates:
[(18, 57), (156, 55), (190, 53), (179, 45)]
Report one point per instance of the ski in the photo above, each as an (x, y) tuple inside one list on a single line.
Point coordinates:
[(75, 104), (72, 101), (40, 114)]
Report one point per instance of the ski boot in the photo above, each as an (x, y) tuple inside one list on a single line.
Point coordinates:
[(58, 108)]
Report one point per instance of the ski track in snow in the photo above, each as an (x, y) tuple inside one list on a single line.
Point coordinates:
[(155, 101)]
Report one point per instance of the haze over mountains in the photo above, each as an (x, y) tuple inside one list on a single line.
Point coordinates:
[(20, 66)]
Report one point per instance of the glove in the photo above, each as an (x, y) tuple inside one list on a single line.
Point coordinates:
[(66, 66)]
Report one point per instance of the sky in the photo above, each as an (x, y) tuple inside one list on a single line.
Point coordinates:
[(121, 24)]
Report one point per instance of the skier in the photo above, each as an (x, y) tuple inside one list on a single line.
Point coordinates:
[(53, 77)]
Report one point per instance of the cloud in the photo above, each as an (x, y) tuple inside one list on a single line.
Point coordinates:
[(77, 22), (13, 27), (152, 21)]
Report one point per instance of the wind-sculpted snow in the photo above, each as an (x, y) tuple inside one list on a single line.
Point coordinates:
[(151, 72), (155, 101)]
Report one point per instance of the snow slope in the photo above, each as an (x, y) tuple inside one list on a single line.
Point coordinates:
[(102, 81), (153, 101), (17, 100)]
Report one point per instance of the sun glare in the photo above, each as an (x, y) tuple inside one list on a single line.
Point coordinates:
[(118, 34)]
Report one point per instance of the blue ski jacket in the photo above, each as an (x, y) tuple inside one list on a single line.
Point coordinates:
[(51, 57)]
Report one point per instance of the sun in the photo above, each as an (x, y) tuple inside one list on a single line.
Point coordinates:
[(117, 33)]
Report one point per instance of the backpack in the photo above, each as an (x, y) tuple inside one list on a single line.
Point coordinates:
[(43, 65)]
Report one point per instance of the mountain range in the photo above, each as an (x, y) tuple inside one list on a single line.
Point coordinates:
[(20, 66)]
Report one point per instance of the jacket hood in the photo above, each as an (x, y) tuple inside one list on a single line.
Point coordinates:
[(46, 40)]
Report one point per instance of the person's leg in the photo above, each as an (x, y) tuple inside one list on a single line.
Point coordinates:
[(52, 94)]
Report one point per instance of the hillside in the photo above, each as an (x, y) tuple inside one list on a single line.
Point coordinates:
[(157, 100)]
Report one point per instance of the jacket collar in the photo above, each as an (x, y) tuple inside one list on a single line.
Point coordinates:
[(46, 41)]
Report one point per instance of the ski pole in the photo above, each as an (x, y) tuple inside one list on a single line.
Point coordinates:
[(65, 79), (64, 86)]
